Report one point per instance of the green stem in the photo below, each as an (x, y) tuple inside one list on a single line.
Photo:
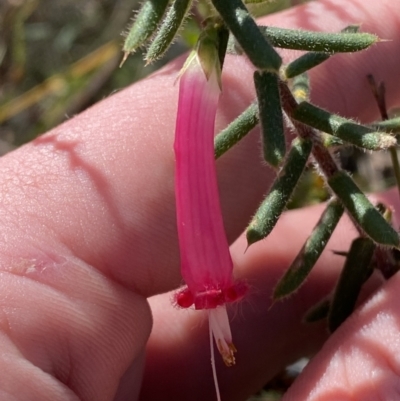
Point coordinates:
[(170, 26), (247, 33), (271, 117), (236, 130), (318, 41)]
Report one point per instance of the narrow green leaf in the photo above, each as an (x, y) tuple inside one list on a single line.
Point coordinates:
[(311, 251), (173, 20), (305, 63), (391, 125), (345, 129), (275, 202), (318, 41), (271, 117), (312, 59), (236, 130), (247, 33), (356, 271), (144, 25), (366, 216)]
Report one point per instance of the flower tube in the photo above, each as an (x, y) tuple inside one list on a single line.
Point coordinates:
[(206, 264)]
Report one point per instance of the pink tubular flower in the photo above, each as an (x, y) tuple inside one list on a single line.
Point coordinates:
[(206, 264)]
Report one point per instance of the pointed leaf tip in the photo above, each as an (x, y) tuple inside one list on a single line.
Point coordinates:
[(124, 58), (253, 236)]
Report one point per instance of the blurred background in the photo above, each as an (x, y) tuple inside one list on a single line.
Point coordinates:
[(59, 57)]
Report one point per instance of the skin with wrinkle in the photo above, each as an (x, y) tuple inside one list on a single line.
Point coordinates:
[(365, 363)]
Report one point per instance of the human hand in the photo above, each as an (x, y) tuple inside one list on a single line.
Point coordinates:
[(88, 232)]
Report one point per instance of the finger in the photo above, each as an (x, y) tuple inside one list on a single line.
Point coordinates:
[(115, 163), (178, 352), (87, 220), (360, 360), (268, 337)]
